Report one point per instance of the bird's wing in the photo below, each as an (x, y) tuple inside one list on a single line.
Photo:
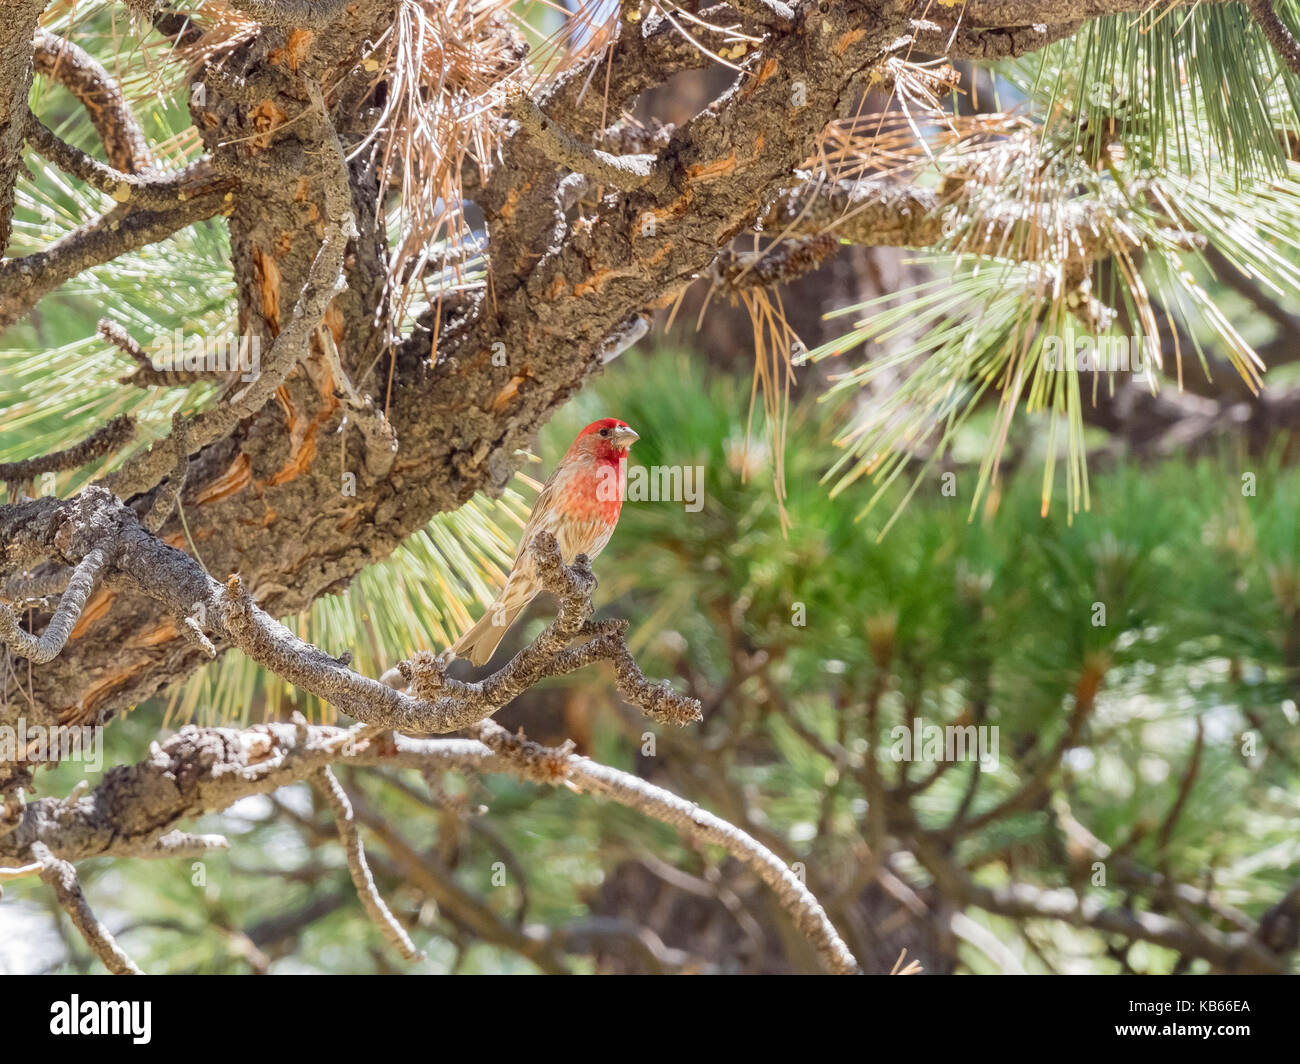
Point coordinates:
[(541, 518)]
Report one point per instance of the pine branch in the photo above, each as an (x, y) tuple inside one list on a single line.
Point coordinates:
[(80, 585), (146, 374), (95, 521), (324, 281), (63, 878), (103, 441), (309, 14), (153, 191), (328, 785), (145, 469), (958, 41), (1278, 32), (86, 79), (25, 281), (202, 770)]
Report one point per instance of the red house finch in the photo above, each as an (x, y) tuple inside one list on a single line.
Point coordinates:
[(579, 505)]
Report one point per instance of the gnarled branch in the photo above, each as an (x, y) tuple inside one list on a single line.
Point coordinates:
[(202, 770), (99, 93), (44, 649), (625, 172)]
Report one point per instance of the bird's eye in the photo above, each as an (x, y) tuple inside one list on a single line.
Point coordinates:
[(604, 432)]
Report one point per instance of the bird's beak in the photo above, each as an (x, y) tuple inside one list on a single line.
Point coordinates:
[(624, 437)]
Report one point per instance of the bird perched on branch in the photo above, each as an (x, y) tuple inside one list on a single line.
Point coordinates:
[(579, 505)]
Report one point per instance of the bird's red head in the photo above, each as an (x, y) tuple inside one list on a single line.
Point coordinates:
[(606, 439)]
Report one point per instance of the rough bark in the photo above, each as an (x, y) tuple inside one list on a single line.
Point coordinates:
[(16, 31)]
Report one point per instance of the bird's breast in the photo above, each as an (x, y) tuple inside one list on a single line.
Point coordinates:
[(588, 503), (593, 493)]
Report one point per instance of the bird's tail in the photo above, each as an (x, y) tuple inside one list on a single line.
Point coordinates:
[(480, 642)]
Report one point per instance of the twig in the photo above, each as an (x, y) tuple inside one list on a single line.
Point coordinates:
[(558, 766), (25, 280), (156, 191), (333, 792), (178, 844), (1038, 779), (442, 704), (146, 374), (1185, 785), (376, 430), (60, 875), (102, 441), (1234, 951)]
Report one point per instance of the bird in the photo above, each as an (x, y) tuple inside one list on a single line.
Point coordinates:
[(579, 505)]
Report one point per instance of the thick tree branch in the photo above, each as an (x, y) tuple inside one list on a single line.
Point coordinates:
[(309, 14), (961, 42), (325, 280), (16, 30), (771, 13), (625, 172), (889, 212), (999, 13), (145, 469)]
